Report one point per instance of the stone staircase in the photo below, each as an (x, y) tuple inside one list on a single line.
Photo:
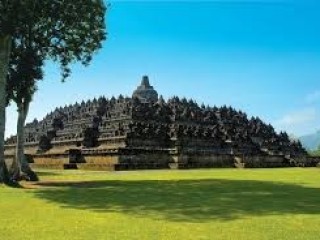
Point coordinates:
[(238, 162)]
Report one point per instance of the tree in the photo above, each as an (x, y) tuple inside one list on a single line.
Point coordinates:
[(64, 31), (24, 72)]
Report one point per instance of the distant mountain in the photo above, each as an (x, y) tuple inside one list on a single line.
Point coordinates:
[(312, 141)]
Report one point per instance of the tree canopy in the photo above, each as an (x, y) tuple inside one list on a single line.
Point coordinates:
[(25, 69), (62, 30)]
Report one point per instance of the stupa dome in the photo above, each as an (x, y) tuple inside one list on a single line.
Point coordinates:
[(145, 92)]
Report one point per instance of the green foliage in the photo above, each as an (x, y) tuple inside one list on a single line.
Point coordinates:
[(25, 70), (197, 204), (62, 30)]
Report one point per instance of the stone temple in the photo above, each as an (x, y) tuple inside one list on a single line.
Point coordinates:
[(147, 132)]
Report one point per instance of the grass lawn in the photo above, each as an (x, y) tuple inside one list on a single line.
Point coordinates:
[(197, 204)]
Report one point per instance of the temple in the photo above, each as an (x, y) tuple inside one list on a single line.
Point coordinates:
[(147, 132)]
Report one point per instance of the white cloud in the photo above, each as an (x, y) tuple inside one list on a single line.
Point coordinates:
[(299, 117), (299, 122), (313, 97)]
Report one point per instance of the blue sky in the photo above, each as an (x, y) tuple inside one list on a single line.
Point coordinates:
[(262, 57)]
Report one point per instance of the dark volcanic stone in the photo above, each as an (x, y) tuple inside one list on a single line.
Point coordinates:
[(146, 122)]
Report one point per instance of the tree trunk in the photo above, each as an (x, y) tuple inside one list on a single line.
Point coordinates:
[(5, 50), (19, 158), (20, 164)]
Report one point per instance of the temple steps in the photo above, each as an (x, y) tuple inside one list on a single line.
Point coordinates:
[(238, 162)]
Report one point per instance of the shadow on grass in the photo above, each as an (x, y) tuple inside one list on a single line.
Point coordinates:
[(185, 200), (46, 173)]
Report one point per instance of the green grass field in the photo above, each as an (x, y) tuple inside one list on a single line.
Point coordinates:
[(197, 204)]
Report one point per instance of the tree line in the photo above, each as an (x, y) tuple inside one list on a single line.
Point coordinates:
[(32, 32)]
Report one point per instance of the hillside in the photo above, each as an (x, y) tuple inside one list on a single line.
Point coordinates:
[(311, 141)]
